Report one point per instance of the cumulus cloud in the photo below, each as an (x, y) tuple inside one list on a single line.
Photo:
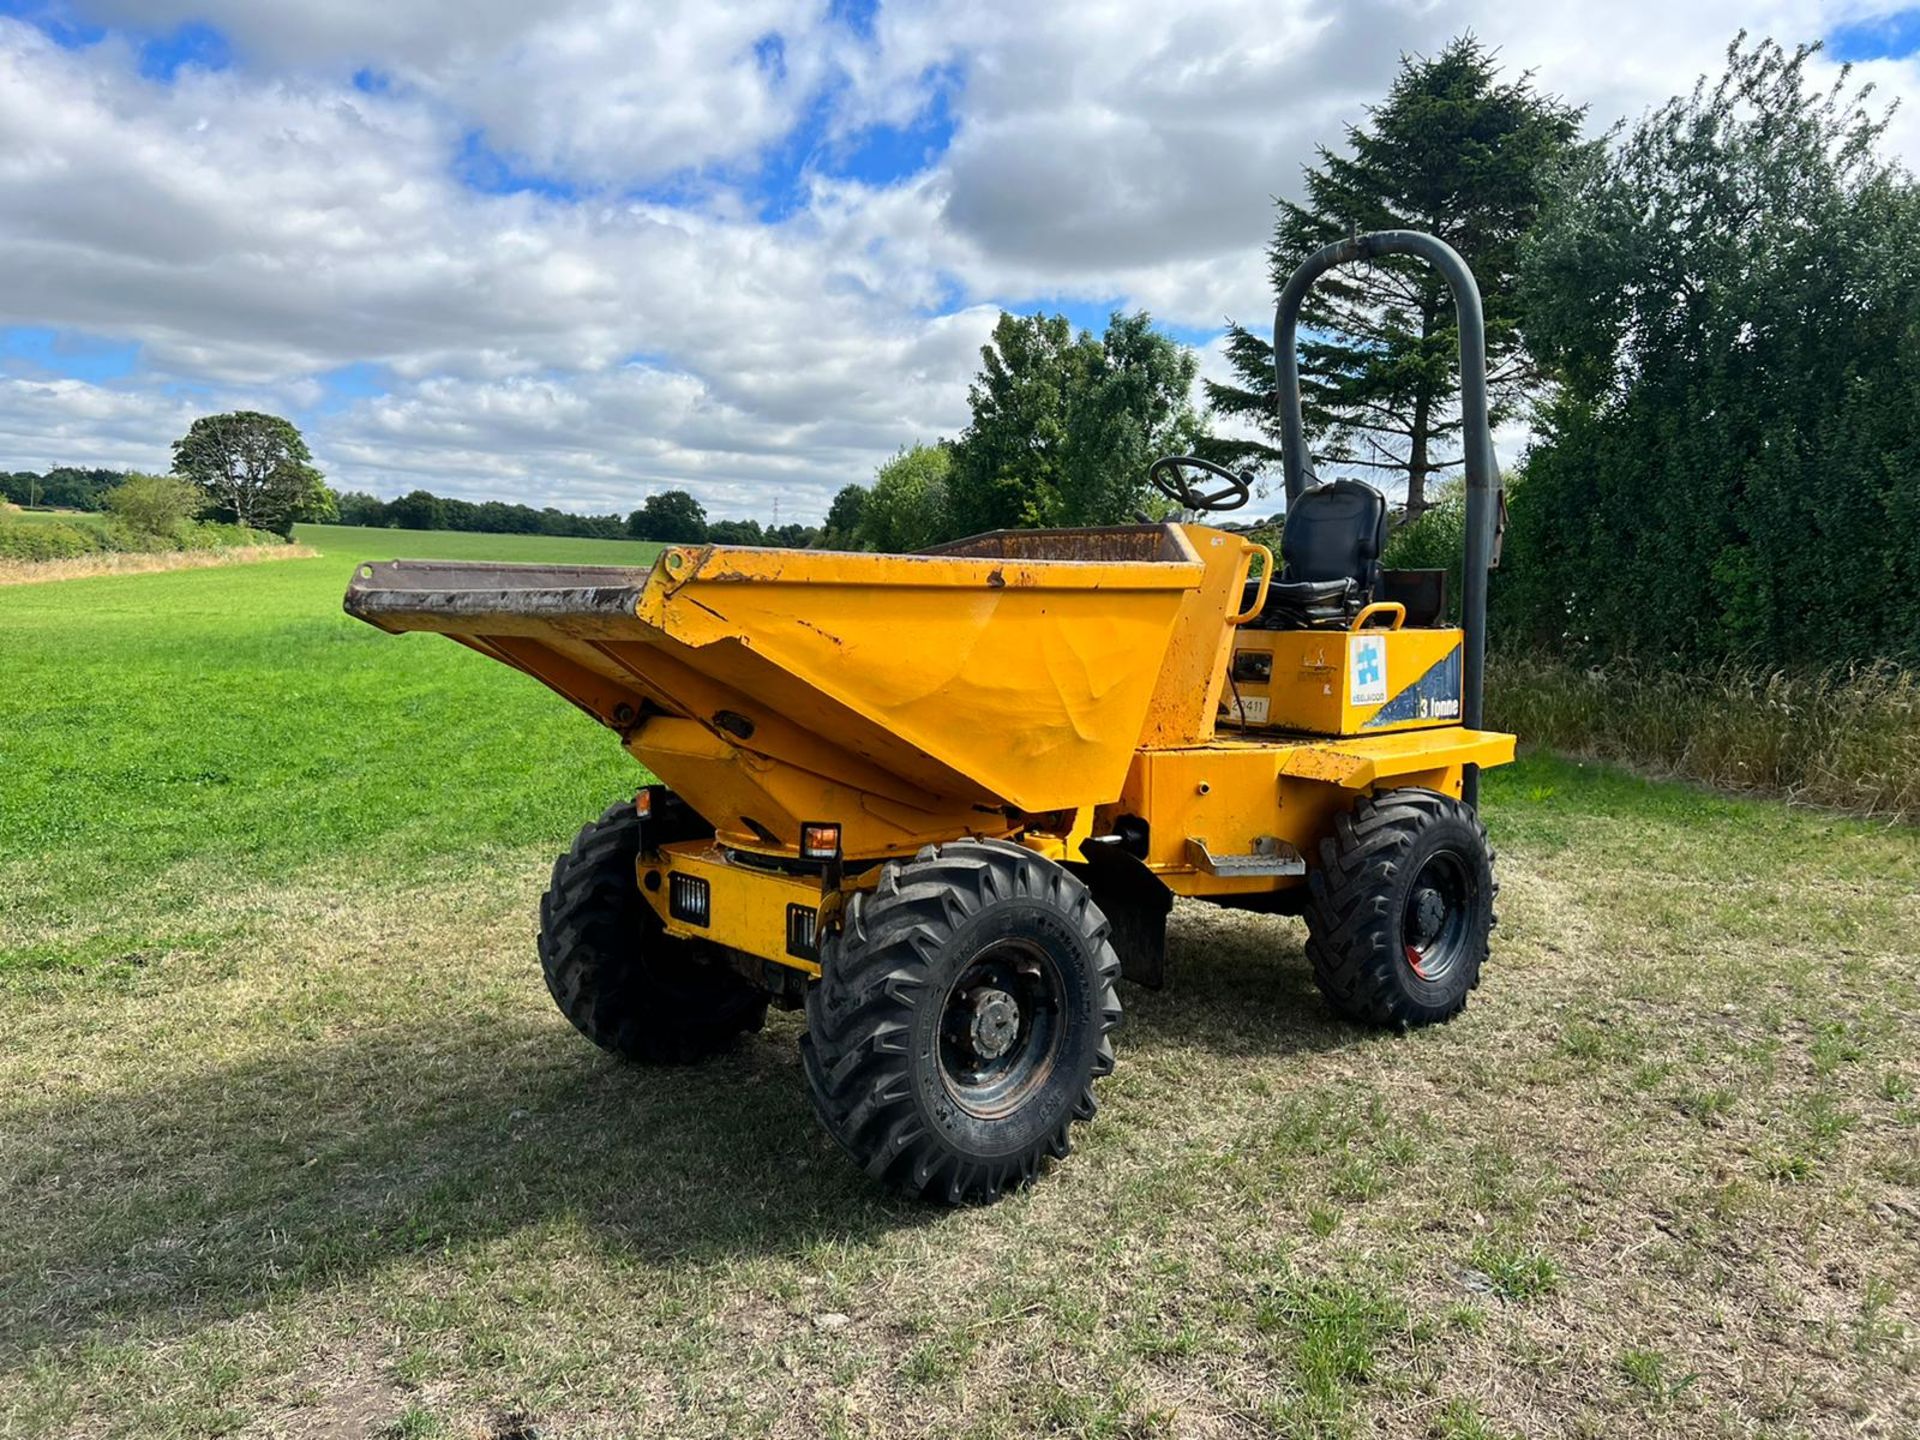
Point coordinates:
[(682, 281), (601, 91)]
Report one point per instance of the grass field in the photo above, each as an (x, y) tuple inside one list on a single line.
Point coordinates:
[(363, 543), (55, 517), (292, 1141)]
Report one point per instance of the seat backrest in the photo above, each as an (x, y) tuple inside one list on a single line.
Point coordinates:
[(1335, 531)]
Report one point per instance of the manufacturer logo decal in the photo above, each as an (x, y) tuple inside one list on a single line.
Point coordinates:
[(1367, 665)]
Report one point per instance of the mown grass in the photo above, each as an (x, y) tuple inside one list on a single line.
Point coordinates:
[(20, 515), (1848, 737), (293, 1142), (367, 542), (165, 734)]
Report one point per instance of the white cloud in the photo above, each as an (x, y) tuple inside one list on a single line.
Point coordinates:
[(255, 228), (602, 91), (49, 422)]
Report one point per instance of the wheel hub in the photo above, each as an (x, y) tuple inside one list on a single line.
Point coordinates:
[(996, 1022), (1001, 1028), (1429, 914)]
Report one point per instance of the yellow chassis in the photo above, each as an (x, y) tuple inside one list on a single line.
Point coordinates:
[(1240, 798)]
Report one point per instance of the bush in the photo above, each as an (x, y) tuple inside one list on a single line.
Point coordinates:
[(155, 505), (50, 540), (1434, 542), (36, 539), (1729, 299), (908, 507), (223, 535), (118, 537)]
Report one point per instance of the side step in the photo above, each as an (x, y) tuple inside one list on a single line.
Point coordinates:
[(1271, 856)]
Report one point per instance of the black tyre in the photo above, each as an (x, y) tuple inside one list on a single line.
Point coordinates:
[(1400, 907), (960, 1020), (625, 983)]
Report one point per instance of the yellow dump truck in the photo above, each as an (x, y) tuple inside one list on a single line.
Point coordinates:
[(943, 802)]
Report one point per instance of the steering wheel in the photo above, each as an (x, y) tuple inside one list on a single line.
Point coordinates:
[(1166, 477)]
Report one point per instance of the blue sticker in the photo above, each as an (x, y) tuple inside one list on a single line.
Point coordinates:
[(1367, 665)]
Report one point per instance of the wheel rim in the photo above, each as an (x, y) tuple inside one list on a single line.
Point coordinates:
[(1000, 1028), (1436, 924)]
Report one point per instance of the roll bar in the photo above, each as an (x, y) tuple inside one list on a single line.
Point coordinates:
[(1482, 481)]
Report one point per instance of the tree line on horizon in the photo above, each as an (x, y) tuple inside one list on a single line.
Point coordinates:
[(673, 516)]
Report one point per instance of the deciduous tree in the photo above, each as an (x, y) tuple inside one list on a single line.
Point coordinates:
[(418, 510), (843, 517), (672, 516), (255, 469), (906, 509), (1065, 425)]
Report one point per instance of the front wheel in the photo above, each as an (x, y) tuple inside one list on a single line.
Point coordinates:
[(960, 1020), (612, 968), (1400, 908)]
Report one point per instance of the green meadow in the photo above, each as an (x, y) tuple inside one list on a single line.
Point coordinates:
[(165, 732)]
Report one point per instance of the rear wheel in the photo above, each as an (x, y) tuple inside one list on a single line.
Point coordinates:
[(625, 983), (1400, 908), (960, 1020)]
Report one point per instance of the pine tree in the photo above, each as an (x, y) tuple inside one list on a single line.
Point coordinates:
[(1453, 151)]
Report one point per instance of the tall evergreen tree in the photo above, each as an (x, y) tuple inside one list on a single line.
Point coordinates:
[(1454, 151)]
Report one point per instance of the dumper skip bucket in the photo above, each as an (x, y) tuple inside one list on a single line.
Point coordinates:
[(1010, 670)]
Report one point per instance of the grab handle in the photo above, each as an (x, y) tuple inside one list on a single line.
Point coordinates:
[(1376, 610), (1254, 547)]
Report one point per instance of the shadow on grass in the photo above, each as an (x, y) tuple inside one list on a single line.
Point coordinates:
[(1238, 984), (206, 1197)]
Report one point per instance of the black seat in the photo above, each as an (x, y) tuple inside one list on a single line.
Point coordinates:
[(1330, 558)]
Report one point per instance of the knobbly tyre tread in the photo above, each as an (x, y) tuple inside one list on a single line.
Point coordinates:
[(1353, 943), (881, 965), (613, 970)]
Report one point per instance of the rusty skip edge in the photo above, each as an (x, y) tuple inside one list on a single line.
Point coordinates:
[(1146, 557), (740, 565), (434, 587)]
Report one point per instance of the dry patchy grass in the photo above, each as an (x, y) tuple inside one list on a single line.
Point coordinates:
[(337, 1168), (86, 567)]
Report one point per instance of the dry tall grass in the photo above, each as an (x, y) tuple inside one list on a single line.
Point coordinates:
[(1847, 738), (82, 567)]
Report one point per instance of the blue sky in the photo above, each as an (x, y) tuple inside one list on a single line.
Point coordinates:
[(577, 252), (1894, 35)]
